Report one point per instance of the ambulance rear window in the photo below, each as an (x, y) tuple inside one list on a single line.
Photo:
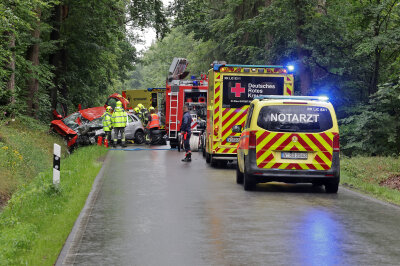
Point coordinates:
[(295, 118)]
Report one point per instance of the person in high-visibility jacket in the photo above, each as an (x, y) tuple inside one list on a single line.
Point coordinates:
[(107, 124), (119, 120), (143, 114), (153, 124), (154, 120)]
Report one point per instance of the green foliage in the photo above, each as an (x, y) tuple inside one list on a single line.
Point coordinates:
[(153, 69), (38, 218), (374, 129), (366, 174), (84, 47), (26, 149)]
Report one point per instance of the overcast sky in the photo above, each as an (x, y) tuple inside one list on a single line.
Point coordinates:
[(149, 35)]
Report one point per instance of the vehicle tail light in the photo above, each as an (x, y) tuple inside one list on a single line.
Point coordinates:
[(336, 144), (216, 130), (252, 139)]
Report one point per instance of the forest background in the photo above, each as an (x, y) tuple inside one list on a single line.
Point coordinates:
[(60, 53)]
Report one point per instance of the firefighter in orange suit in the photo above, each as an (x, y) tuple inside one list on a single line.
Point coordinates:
[(154, 121)]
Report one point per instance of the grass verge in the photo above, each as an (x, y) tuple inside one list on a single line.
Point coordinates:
[(367, 173), (26, 149), (38, 218)]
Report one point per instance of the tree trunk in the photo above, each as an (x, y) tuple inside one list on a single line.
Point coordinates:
[(33, 83), (302, 54), (11, 66), (55, 58), (58, 59)]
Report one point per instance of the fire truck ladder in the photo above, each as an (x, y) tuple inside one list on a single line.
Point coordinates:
[(173, 116)]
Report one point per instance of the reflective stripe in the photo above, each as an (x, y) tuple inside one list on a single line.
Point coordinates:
[(107, 122), (318, 145), (119, 117), (155, 122)]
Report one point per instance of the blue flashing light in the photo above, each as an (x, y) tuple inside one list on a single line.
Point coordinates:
[(290, 68), (323, 98), (193, 77), (217, 67)]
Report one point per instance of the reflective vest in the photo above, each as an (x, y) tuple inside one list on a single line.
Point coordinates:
[(119, 117), (155, 122), (143, 116), (107, 121)]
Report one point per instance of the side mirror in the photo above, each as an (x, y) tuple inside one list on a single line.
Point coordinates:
[(237, 129)]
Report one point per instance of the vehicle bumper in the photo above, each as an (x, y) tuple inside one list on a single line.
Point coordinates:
[(261, 175), (224, 156)]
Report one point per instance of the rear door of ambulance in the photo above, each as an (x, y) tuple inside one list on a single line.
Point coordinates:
[(234, 91), (296, 136)]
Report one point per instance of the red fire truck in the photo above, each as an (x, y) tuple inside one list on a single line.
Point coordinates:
[(192, 92)]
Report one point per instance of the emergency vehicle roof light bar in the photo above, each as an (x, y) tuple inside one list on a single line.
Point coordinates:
[(283, 97), (151, 89), (216, 67)]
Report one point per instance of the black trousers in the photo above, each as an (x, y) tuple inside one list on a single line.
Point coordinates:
[(186, 142), (108, 136)]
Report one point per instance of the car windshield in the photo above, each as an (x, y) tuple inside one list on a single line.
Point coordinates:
[(295, 118), (71, 121), (76, 120)]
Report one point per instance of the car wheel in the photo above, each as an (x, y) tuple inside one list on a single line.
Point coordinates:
[(248, 184), (213, 162), (139, 137), (331, 187), (222, 163), (239, 175), (208, 157)]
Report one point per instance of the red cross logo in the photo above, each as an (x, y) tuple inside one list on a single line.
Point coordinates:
[(238, 90)]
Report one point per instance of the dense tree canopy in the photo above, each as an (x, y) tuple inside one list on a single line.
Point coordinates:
[(61, 53), (348, 50)]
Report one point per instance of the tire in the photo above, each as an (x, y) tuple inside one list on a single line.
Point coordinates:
[(248, 184), (139, 137), (208, 159), (239, 175), (222, 163), (213, 162), (331, 188)]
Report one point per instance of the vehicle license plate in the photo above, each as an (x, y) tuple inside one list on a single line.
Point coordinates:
[(233, 139), (294, 155)]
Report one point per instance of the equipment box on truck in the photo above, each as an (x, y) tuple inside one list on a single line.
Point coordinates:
[(231, 88)]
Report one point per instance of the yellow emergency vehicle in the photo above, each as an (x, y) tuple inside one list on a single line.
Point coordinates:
[(289, 139), (154, 97), (231, 88)]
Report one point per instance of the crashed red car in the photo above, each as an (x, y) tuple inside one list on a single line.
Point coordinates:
[(80, 128)]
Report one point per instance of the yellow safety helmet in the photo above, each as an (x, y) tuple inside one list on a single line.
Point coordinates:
[(151, 108), (109, 108), (119, 104), (136, 109), (141, 106)]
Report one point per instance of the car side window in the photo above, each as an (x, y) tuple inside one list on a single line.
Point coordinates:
[(130, 119), (249, 115), (134, 118)]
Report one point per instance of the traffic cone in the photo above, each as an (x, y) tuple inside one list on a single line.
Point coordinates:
[(99, 140), (106, 142)]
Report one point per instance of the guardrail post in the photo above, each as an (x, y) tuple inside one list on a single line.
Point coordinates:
[(56, 164)]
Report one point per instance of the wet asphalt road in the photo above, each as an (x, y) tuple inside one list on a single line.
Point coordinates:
[(152, 209)]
